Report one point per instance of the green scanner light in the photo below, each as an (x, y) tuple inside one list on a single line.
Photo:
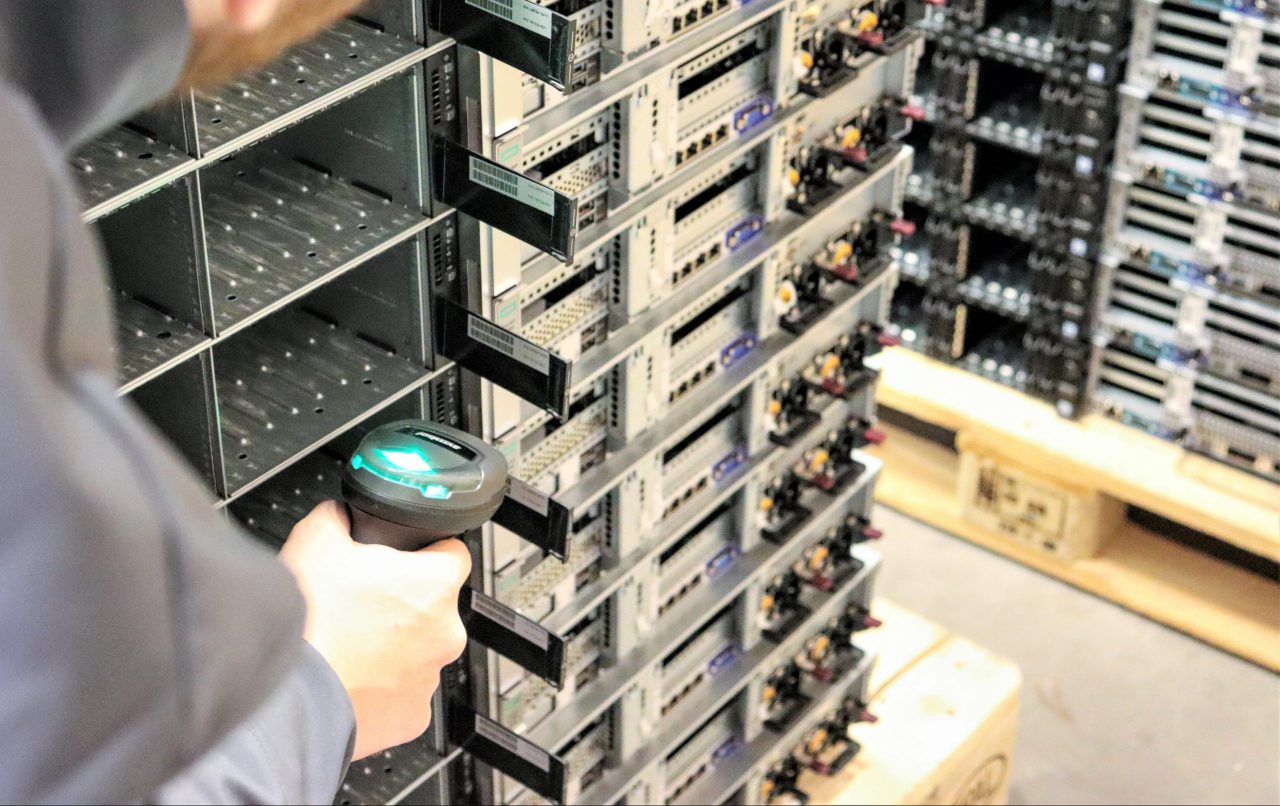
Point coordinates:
[(411, 462)]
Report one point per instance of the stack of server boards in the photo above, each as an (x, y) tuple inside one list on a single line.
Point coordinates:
[(1191, 295), (1017, 101), (646, 249)]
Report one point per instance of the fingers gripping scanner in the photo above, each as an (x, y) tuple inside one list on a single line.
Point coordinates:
[(411, 483)]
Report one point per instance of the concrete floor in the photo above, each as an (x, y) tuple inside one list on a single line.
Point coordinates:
[(1115, 708)]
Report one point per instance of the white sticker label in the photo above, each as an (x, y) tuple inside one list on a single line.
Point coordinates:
[(512, 185), (527, 15), (490, 335), (514, 622), (513, 744), (529, 496)]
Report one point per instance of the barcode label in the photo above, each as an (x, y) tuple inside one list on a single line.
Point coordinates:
[(513, 744), (513, 621), (490, 335), (529, 496), (512, 185), (527, 15)]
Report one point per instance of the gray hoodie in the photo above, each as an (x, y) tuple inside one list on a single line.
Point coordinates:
[(148, 650)]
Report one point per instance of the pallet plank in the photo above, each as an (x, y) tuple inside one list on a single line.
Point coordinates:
[(1119, 461), (1184, 589)]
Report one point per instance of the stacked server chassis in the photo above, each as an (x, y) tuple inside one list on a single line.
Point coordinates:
[(1018, 99), (679, 349), (1190, 295)]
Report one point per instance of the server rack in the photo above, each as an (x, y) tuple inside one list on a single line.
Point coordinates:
[(1017, 110), (1189, 348), (651, 259)]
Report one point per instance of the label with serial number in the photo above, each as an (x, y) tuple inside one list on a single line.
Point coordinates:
[(529, 496), (512, 185), (527, 15), (513, 744), (513, 621), (490, 335)]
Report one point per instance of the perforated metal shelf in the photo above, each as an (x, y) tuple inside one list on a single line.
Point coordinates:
[(277, 228), (148, 342), (339, 62), (122, 165), (271, 513), (293, 382), (392, 775)]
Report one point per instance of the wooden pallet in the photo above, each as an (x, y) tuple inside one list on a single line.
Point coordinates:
[(1050, 493), (947, 713)]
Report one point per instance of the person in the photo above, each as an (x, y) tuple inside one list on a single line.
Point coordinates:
[(149, 651)]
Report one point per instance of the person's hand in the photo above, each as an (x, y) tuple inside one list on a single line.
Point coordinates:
[(385, 620)]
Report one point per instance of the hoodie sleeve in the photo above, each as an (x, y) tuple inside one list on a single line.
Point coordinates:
[(89, 64), (140, 631), (259, 761)]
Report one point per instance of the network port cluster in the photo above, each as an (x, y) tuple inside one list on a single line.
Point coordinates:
[(649, 255), (1191, 295)]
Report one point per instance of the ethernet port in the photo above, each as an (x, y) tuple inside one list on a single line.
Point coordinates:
[(676, 25), (722, 4), (691, 18), (708, 8)]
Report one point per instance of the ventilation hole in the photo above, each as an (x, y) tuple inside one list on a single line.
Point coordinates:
[(363, 226), (353, 55), (311, 254), (216, 121), (367, 381), (231, 297), (243, 456), (300, 81), (319, 410), (242, 174), (146, 155), (164, 334), (387, 770)]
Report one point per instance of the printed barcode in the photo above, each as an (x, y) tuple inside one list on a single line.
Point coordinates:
[(494, 337), (516, 623), (486, 608), (494, 332), (495, 7), (496, 734), (495, 178)]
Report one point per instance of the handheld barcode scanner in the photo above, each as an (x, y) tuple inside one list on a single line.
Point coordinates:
[(411, 483)]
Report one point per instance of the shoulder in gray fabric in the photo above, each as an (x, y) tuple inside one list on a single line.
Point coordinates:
[(137, 628)]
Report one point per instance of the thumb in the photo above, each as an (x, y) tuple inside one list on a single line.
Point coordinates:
[(329, 519)]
